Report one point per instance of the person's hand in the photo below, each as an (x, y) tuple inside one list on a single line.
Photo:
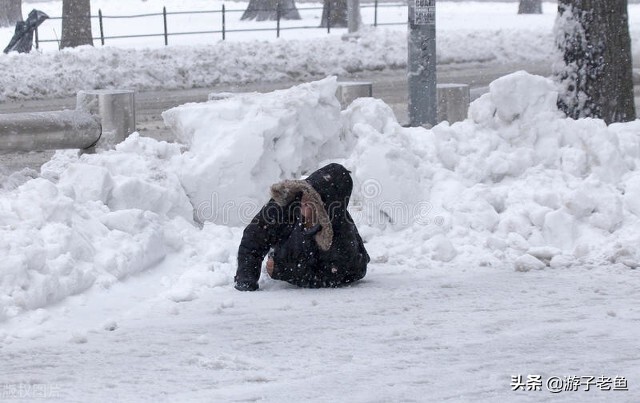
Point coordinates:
[(313, 230), (270, 266)]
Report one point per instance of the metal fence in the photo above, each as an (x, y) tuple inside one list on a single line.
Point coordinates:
[(222, 29)]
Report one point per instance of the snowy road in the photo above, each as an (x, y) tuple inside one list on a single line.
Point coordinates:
[(401, 335)]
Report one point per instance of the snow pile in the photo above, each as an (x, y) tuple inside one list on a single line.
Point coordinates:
[(239, 146), (11, 180), (515, 184), (386, 161), (87, 220), (63, 73)]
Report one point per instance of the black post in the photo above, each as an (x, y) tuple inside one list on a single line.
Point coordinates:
[(375, 13), (224, 23), (101, 27), (166, 35), (37, 39), (329, 16), (278, 20)]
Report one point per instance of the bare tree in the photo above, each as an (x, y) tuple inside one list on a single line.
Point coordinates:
[(263, 10), (593, 37), (10, 12), (530, 7), (337, 9), (76, 23)]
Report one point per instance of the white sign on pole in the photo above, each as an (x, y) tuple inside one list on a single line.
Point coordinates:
[(425, 12)]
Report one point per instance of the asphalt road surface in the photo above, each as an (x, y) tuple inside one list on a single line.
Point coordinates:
[(388, 85)]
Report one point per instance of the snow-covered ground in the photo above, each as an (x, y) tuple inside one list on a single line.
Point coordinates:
[(502, 245), (416, 334)]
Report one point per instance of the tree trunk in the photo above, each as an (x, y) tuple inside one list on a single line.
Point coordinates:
[(76, 24), (596, 77), (530, 7), (263, 10), (10, 12), (338, 13)]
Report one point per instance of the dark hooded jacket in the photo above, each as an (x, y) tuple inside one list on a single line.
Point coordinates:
[(22, 40), (329, 254)]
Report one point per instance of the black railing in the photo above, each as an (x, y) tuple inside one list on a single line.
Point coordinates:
[(224, 30)]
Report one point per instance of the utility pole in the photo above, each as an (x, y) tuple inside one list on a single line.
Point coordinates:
[(353, 15), (421, 65)]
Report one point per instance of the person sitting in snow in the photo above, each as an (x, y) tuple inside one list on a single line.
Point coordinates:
[(313, 239)]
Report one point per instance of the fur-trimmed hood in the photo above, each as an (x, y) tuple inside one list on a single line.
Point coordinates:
[(286, 191), (328, 189)]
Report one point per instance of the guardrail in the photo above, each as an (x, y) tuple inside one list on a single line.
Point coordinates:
[(48, 130), (102, 119), (223, 28)]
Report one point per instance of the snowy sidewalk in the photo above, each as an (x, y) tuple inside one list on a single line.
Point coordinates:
[(403, 334)]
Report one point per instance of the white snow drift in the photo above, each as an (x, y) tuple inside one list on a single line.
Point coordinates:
[(515, 184)]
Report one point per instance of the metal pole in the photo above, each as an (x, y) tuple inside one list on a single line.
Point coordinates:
[(101, 27), (166, 35), (353, 15), (329, 16), (42, 131), (278, 20), (421, 65), (349, 91), (224, 24), (375, 13), (116, 111)]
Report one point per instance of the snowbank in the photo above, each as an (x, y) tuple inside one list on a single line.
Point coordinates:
[(513, 182), (516, 184), (88, 220), (239, 146), (63, 73)]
